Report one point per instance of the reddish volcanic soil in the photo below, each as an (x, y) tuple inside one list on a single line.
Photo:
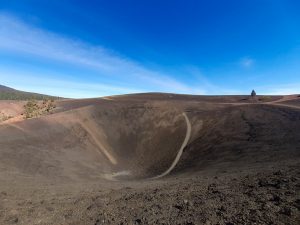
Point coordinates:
[(153, 159)]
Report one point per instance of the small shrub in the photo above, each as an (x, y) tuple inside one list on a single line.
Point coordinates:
[(4, 117), (50, 105), (265, 98), (31, 109), (35, 109)]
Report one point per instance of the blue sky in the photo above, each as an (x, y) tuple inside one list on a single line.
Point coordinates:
[(94, 48)]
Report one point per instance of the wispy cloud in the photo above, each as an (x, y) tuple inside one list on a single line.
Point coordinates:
[(20, 38), (247, 62), (282, 89), (58, 87), (207, 87)]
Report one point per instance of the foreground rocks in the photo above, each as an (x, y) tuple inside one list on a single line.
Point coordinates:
[(265, 197)]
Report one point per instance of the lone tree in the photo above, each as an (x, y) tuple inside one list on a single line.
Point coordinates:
[(253, 94)]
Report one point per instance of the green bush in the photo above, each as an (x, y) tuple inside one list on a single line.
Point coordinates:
[(265, 98), (33, 109)]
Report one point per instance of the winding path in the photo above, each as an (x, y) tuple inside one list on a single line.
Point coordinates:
[(280, 102), (186, 139)]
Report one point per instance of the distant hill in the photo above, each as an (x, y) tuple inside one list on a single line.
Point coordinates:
[(7, 93)]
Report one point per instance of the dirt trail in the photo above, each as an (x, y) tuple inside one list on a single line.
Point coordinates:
[(289, 106), (186, 139), (279, 102), (109, 98), (284, 98), (92, 132), (113, 176)]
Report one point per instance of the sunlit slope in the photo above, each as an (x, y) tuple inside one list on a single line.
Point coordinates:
[(243, 136)]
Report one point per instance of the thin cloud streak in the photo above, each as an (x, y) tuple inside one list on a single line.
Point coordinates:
[(58, 87), (284, 89), (20, 38)]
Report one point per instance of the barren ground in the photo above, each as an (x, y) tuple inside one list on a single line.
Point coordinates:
[(99, 161)]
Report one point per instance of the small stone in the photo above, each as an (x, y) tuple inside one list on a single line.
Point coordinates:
[(275, 198), (229, 223), (13, 219), (138, 221), (297, 204), (293, 179), (277, 172), (286, 211), (222, 208), (207, 222), (179, 207)]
